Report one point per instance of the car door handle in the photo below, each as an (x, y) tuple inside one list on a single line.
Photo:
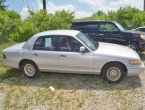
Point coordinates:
[(35, 54), (101, 34), (62, 56)]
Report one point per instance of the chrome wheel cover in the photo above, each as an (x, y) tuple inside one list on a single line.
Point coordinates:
[(29, 70), (113, 74), (132, 47)]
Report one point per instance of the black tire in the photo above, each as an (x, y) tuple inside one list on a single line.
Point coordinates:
[(113, 67), (133, 46), (32, 65)]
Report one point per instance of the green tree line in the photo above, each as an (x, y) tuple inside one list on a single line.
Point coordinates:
[(128, 17), (14, 28)]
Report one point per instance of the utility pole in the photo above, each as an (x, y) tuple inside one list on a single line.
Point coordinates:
[(44, 4), (144, 5)]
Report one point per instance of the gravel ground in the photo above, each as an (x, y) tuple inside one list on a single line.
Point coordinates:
[(72, 92)]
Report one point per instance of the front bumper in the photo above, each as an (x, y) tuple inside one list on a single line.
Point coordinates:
[(142, 46), (133, 71)]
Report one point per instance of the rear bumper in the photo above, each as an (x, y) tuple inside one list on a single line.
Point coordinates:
[(8, 63)]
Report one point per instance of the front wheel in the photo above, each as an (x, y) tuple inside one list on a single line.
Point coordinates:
[(133, 46), (30, 69), (113, 73)]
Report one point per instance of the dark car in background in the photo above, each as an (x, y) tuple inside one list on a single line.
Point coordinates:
[(142, 29), (111, 32)]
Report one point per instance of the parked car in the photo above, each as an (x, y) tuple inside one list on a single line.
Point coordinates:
[(70, 51), (142, 29), (111, 32)]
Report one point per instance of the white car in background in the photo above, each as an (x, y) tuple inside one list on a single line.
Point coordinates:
[(69, 51)]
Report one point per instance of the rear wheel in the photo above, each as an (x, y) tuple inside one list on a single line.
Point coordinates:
[(113, 73), (30, 69)]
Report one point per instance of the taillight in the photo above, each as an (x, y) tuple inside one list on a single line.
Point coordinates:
[(4, 56)]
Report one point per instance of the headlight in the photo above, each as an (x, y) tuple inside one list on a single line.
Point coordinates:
[(135, 62), (142, 37)]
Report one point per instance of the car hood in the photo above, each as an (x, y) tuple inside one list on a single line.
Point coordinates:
[(116, 51), (14, 48), (135, 32)]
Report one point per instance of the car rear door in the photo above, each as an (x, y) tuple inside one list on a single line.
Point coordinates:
[(73, 61), (45, 53)]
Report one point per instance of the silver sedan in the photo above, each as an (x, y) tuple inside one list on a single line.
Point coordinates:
[(69, 51)]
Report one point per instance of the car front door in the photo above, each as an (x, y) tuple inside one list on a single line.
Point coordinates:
[(45, 53), (110, 33), (71, 60)]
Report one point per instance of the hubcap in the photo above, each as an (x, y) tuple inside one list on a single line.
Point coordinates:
[(114, 74), (29, 69), (132, 47)]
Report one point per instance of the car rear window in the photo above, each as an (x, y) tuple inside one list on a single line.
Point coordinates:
[(86, 26)]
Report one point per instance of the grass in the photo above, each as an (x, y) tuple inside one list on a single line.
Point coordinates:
[(73, 92)]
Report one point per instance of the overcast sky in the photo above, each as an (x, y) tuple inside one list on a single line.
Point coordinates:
[(82, 8)]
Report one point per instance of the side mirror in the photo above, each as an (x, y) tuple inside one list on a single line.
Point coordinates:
[(82, 49)]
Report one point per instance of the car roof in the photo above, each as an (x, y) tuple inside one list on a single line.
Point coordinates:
[(92, 21), (58, 32)]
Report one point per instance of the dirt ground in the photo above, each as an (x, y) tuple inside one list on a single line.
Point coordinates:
[(72, 92)]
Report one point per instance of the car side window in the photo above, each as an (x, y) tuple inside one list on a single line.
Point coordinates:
[(45, 43), (69, 44), (92, 27), (108, 27), (86, 27)]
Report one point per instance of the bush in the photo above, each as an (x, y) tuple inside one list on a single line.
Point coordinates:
[(41, 21), (23, 32), (128, 17), (11, 25), (8, 23)]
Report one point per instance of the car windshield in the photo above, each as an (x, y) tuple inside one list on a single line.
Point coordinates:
[(120, 27), (87, 41)]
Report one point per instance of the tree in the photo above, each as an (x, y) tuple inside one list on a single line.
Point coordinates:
[(128, 17), (99, 13), (2, 6), (8, 23), (41, 21)]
